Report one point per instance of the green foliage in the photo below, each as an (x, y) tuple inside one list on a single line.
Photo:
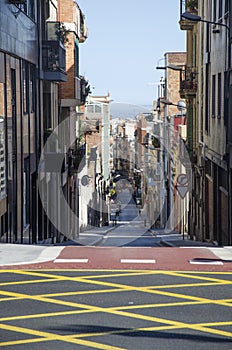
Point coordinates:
[(192, 3), (62, 33)]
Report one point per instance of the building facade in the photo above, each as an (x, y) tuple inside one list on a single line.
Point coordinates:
[(209, 116), (35, 45)]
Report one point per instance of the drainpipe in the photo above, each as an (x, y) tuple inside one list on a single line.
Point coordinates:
[(202, 202)]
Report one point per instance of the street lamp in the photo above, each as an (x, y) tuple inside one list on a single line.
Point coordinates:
[(180, 104), (195, 18), (171, 66)]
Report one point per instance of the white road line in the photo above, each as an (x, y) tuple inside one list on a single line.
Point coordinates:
[(206, 262), (126, 236), (71, 261), (137, 261)]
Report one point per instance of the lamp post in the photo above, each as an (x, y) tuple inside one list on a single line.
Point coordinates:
[(170, 66), (181, 106), (195, 18)]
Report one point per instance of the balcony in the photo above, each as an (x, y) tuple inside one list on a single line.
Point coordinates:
[(188, 83), (81, 91), (54, 53), (190, 6), (77, 160), (18, 2)]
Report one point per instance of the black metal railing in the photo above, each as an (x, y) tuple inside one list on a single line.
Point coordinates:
[(188, 81)]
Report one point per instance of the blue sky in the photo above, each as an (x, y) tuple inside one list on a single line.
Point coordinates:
[(126, 40)]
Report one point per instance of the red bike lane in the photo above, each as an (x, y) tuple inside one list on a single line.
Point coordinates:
[(122, 258)]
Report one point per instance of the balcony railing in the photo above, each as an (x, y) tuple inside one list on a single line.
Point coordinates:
[(81, 89), (77, 160), (188, 82), (54, 53)]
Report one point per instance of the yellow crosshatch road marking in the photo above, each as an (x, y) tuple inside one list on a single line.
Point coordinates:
[(50, 336), (201, 279)]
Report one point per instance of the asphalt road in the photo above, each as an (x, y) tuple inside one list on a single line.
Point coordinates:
[(132, 227), (77, 309)]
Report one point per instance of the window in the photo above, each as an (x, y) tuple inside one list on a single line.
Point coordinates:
[(219, 8), (32, 88), (214, 10), (28, 8), (219, 99), (25, 86), (76, 59), (213, 95)]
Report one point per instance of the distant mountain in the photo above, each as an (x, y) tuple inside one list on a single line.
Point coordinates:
[(127, 111)]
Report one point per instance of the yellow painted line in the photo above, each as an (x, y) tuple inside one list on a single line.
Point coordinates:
[(155, 319), (98, 309), (86, 335), (133, 288), (23, 341), (60, 277), (126, 274), (83, 292), (159, 292), (53, 301), (155, 272), (127, 314), (216, 324), (191, 297), (3, 284), (149, 306), (61, 294), (184, 285), (44, 315), (209, 279), (156, 328), (52, 337)]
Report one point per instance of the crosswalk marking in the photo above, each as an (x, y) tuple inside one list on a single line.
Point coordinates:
[(138, 261), (84, 261)]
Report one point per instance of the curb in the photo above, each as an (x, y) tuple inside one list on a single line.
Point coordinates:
[(166, 244)]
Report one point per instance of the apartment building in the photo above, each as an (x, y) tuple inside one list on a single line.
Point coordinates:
[(34, 42), (171, 126), (19, 120), (209, 117)]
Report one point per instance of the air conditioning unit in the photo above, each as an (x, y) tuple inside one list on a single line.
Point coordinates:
[(18, 2)]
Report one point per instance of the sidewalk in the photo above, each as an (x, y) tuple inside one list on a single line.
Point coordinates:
[(20, 254), (223, 253), (90, 237)]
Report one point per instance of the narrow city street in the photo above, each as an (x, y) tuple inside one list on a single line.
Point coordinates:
[(116, 175), (132, 227), (127, 291)]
